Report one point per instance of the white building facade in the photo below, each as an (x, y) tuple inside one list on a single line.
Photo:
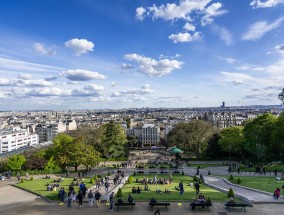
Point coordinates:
[(11, 140)]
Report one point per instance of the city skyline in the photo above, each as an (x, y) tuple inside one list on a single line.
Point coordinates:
[(127, 54)]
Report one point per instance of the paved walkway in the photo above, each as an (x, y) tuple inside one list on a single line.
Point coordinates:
[(251, 195), (11, 197)]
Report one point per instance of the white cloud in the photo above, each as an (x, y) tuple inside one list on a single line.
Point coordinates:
[(100, 99), (81, 75), (177, 11), (35, 83), (140, 13), (185, 37), (80, 46), (189, 27), (5, 82), (235, 77), (280, 47), (259, 29), (126, 66), (39, 48), (39, 92), (249, 67), (93, 87), (228, 60), (145, 89), (212, 11), (152, 67), (113, 84), (24, 76), (224, 34), (265, 3)]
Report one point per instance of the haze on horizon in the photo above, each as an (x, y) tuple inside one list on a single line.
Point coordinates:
[(85, 54)]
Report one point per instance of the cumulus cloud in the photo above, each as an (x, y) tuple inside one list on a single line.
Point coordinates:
[(80, 46), (100, 99), (51, 78), (228, 60), (189, 27), (5, 82), (224, 34), (94, 87), (235, 77), (265, 3), (140, 13), (152, 67), (24, 76), (212, 11), (145, 89), (259, 29), (81, 75), (39, 92), (39, 48), (126, 66), (184, 37), (280, 47), (34, 83)]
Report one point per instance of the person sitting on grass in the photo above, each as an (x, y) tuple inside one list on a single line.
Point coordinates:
[(167, 191), (146, 188), (134, 190), (158, 191), (138, 190)]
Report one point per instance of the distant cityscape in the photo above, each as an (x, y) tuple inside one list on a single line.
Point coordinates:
[(150, 126)]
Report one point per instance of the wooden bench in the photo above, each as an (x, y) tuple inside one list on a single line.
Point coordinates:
[(163, 172), (237, 205), (124, 204), (140, 172), (159, 204), (203, 205), (153, 172)]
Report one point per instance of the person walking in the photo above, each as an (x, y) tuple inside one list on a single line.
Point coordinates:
[(74, 198), (69, 199), (181, 189), (197, 187), (97, 198), (80, 198), (106, 186), (91, 198), (111, 201)]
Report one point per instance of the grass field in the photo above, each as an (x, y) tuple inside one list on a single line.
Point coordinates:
[(189, 193), (202, 166), (261, 183), (40, 186)]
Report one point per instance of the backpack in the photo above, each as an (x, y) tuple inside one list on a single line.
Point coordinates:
[(90, 195)]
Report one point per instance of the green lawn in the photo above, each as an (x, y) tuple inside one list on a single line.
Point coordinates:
[(268, 168), (40, 186), (201, 166), (189, 193), (268, 184)]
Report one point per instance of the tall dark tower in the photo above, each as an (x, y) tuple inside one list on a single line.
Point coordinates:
[(223, 104)]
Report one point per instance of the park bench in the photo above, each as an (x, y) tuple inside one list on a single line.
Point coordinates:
[(163, 172), (140, 172), (237, 205), (201, 204), (153, 172), (124, 204), (152, 204), (176, 172)]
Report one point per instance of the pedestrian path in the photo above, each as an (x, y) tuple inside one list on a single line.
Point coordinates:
[(11, 197)]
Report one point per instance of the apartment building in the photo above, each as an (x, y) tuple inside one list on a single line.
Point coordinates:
[(16, 138)]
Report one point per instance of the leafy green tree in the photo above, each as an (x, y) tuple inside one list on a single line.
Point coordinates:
[(51, 165), (191, 137), (214, 150), (114, 141), (232, 139), (277, 138), (257, 133), (36, 163), (16, 162), (131, 141), (281, 96)]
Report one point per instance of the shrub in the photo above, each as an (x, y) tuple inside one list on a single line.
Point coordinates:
[(231, 193), (198, 167), (31, 178), (92, 181), (209, 173), (134, 173), (22, 180), (199, 181), (182, 173), (130, 179), (194, 178), (95, 177), (239, 181), (108, 173), (119, 193), (231, 178)]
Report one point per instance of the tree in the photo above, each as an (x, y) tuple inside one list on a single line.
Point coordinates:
[(277, 138), (36, 163), (191, 137), (257, 133), (281, 96), (214, 150), (16, 162), (114, 140), (232, 139)]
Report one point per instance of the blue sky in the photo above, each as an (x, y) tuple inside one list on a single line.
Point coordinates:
[(92, 54)]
